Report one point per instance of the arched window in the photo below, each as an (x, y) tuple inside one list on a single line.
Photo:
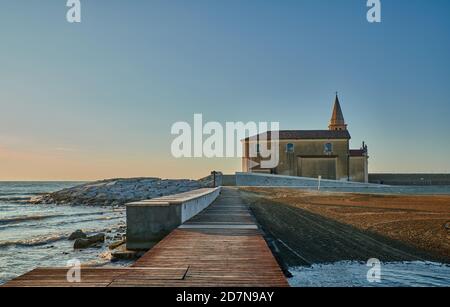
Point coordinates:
[(290, 148), (328, 148)]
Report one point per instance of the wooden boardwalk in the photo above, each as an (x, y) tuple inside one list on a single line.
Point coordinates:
[(222, 246)]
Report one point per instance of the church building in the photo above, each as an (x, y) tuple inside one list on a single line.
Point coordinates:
[(314, 153)]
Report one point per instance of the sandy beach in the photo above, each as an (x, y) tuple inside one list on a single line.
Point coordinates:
[(306, 227)]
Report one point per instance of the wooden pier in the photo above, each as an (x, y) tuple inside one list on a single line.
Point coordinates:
[(220, 247)]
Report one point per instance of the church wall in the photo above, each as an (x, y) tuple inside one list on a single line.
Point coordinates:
[(289, 162), (358, 169), (306, 148), (315, 167)]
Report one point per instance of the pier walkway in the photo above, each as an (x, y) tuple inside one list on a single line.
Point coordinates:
[(221, 246)]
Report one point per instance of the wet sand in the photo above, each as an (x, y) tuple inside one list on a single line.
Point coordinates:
[(306, 227)]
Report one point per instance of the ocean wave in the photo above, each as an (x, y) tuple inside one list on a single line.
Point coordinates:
[(47, 239), (64, 223), (20, 219), (21, 193), (28, 218), (15, 199), (36, 241), (354, 274), (106, 218)]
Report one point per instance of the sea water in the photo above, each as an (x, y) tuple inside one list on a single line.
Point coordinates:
[(355, 274), (36, 235)]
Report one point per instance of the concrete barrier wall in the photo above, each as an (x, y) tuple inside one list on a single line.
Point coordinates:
[(148, 221), (228, 180), (264, 180), (194, 206), (411, 179)]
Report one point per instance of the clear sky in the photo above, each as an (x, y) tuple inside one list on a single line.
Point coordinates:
[(97, 99)]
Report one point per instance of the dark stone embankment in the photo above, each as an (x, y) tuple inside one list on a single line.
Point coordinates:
[(117, 192)]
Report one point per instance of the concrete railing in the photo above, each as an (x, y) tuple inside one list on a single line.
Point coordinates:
[(148, 221), (266, 180)]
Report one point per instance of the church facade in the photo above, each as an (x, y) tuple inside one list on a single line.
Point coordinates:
[(314, 153)]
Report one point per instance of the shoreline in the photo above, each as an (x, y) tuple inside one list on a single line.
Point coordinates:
[(37, 235)]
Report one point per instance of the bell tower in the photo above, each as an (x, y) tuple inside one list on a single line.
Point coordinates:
[(337, 121)]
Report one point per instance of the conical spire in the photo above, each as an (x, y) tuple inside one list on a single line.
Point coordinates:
[(337, 121)]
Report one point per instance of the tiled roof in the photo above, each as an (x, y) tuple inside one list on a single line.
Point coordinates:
[(310, 134), (357, 152)]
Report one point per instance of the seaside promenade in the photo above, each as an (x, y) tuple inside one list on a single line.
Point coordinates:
[(221, 246)]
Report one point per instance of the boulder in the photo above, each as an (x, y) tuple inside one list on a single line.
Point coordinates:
[(116, 244), (78, 234), (89, 241), (97, 238), (121, 253), (81, 243)]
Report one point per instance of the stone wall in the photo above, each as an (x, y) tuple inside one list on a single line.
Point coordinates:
[(252, 179), (315, 167), (410, 179), (358, 169), (228, 180)]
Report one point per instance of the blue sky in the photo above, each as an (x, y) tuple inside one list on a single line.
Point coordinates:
[(97, 99)]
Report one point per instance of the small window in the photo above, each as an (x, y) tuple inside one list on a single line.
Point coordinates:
[(290, 148), (258, 149), (328, 148)]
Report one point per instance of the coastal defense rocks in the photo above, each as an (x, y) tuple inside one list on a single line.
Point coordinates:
[(81, 243), (117, 192), (89, 241), (121, 253), (78, 234), (116, 244), (98, 238)]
